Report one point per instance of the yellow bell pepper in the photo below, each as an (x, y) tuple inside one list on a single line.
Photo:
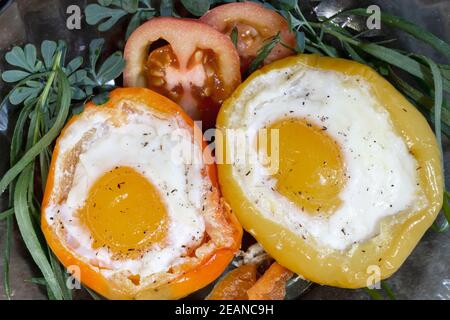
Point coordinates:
[(387, 251)]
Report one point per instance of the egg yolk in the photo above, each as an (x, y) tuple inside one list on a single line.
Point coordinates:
[(311, 172), (124, 212)]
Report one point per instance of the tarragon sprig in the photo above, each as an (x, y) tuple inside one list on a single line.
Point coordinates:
[(46, 91)]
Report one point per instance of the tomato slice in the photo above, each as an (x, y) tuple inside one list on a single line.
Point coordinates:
[(255, 24), (198, 67), (235, 284), (272, 284)]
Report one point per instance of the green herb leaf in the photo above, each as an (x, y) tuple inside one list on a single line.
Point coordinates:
[(300, 40), (263, 53), (6, 214), (234, 36), (374, 294), (196, 7), (64, 104), (48, 49), (14, 75), (166, 8), (111, 68), (7, 255), (286, 4), (411, 28), (133, 25), (73, 65), (16, 57), (95, 48), (21, 207), (101, 98), (20, 94), (130, 6), (96, 13), (30, 55)]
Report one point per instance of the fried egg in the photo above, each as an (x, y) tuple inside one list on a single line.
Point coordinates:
[(330, 168), (342, 167), (122, 200)]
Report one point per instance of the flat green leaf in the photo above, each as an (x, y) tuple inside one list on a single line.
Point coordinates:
[(263, 53), (6, 214), (438, 99), (95, 49), (196, 7), (234, 36), (446, 211), (96, 13), (411, 28), (18, 95), (130, 6), (73, 65), (100, 98), (105, 3), (34, 84), (16, 57), (14, 75), (287, 4), (78, 76), (26, 228), (147, 3), (7, 254), (166, 8), (48, 49), (391, 56), (78, 94), (300, 40), (388, 290), (59, 272), (111, 68), (30, 55), (374, 294), (64, 98), (133, 24)]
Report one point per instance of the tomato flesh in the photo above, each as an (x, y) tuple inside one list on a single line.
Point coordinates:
[(255, 25), (197, 87)]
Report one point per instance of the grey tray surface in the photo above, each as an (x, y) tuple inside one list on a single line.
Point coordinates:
[(425, 274)]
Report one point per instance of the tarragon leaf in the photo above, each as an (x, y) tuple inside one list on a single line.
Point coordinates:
[(234, 36), (263, 53)]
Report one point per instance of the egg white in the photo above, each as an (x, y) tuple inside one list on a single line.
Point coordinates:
[(382, 178), (145, 142)]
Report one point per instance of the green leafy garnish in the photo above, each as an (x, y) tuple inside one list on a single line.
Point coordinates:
[(263, 53), (47, 90), (379, 294), (45, 97), (234, 36), (106, 14), (196, 7)]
